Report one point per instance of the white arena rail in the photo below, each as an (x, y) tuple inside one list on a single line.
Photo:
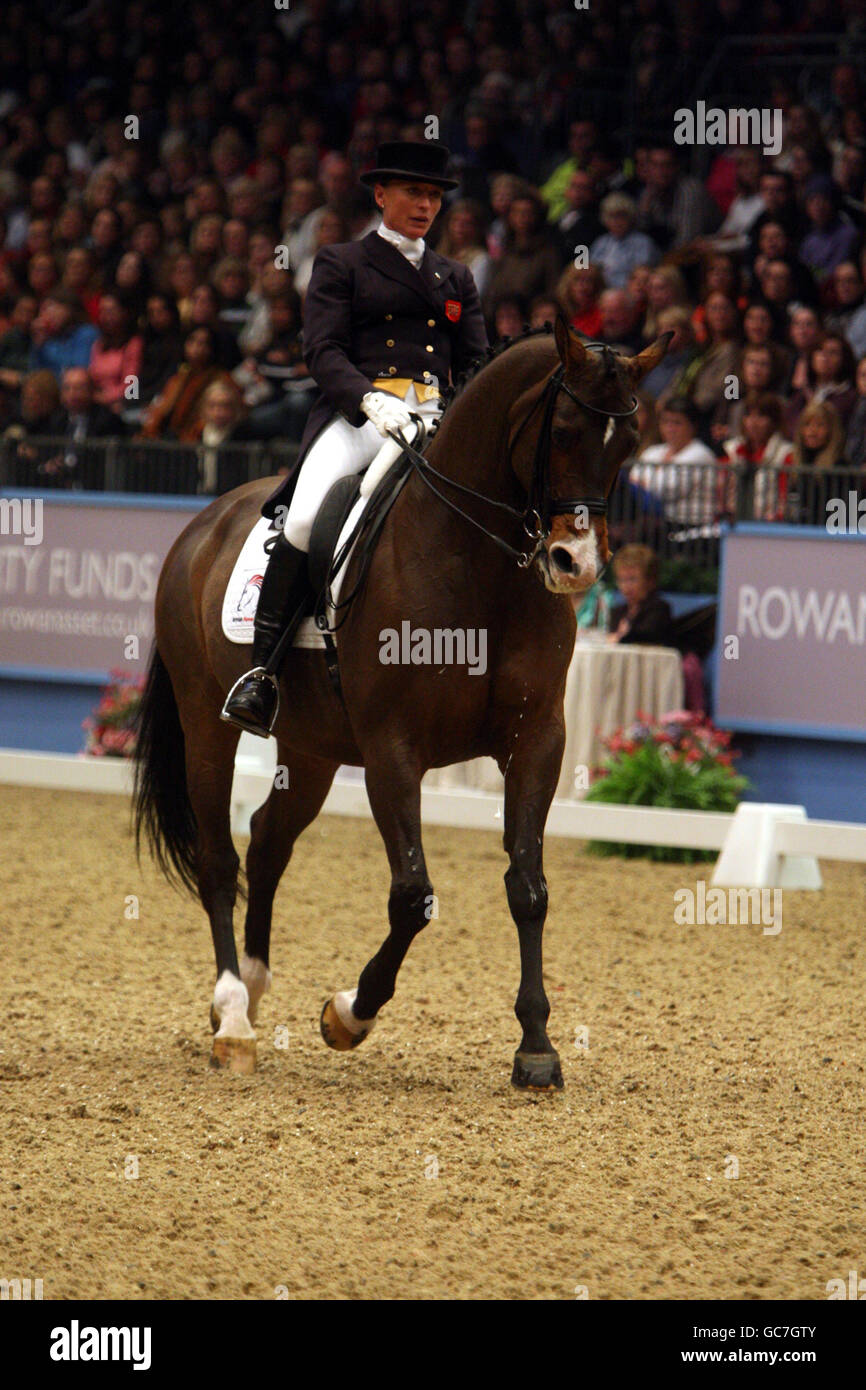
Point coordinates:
[(761, 845)]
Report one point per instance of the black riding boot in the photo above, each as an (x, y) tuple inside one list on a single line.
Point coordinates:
[(253, 701)]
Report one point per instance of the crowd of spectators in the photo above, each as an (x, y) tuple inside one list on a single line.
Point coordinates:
[(167, 177)]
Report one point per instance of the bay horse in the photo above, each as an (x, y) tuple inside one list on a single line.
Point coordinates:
[(530, 443)]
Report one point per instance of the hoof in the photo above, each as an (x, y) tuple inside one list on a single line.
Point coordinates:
[(335, 1032), (236, 1055), (537, 1071)]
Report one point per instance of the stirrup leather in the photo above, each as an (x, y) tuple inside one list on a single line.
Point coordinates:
[(263, 674)]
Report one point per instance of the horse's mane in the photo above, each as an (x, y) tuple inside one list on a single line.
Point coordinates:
[(450, 393)]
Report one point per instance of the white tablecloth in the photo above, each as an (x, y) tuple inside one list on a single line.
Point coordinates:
[(608, 683)]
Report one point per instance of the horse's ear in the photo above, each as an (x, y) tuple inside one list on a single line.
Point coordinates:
[(571, 351), (638, 367)]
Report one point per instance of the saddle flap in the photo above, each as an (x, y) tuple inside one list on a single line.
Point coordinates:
[(330, 519)]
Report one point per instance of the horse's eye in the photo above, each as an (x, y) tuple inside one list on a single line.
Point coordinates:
[(561, 436)]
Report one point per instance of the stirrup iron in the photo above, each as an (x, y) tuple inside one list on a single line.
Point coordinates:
[(264, 674)]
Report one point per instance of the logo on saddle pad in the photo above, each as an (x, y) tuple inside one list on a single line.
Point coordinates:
[(248, 601), (453, 309)]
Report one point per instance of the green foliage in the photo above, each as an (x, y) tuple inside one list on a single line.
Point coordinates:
[(681, 762), (685, 577)]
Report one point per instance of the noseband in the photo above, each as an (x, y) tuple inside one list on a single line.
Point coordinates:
[(542, 504)]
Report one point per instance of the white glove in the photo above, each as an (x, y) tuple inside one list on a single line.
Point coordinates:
[(386, 412)]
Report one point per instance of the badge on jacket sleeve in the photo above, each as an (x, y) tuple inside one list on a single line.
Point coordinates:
[(453, 309)]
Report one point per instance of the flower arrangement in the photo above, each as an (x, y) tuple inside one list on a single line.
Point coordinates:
[(680, 760), (111, 728)]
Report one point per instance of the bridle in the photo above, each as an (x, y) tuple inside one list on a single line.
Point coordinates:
[(542, 504)]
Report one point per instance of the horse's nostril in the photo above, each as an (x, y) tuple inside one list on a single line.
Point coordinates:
[(563, 560)]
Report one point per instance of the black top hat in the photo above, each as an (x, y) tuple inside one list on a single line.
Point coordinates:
[(411, 159)]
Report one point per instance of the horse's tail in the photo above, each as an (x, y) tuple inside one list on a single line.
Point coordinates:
[(162, 811)]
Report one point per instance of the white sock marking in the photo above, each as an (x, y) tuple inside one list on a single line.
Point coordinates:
[(257, 978), (343, 1004), (230, 1002)]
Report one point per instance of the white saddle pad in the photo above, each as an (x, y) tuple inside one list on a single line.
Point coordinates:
[(242, 593)]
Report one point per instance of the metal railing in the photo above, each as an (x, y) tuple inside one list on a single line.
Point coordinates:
[(677, 509), (133, 465)]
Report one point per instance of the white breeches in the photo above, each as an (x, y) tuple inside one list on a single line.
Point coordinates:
[(340, 449)]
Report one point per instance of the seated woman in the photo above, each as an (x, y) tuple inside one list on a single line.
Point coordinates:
[(638, 288), (682, 352), (115, 358), (464, 239), (644, 616), (331, 230), (762, 329), (578, 292), (760, 455), (821, 470), (849, 314), (509, 318), (162, 346), (79, 276), (530, 262), (755, 373), (805, 331), (681, 470), (719, 275), (543, 310), (707, 376), (830, 377), (632, 512), (276, 381), (231, 281), (38, 414), (177, 412), (666, 289), (847, 308), (221, 468), (775, 244)]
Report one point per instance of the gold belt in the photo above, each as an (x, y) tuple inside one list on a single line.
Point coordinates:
[(399, 386)]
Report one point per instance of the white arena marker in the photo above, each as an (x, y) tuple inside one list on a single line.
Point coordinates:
[(752, 857)]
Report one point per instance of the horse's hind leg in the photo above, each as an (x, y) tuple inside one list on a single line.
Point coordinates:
[(210, 753), (394, 790), (299, 789)]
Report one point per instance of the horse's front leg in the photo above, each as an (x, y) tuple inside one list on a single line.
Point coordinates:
[(531, 775), (394, 789)]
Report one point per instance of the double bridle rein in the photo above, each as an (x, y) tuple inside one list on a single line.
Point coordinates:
[(542, 504)]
